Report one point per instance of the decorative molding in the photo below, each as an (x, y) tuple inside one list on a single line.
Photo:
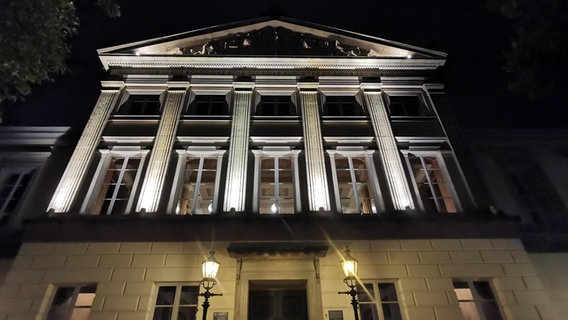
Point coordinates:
[(130, 61)]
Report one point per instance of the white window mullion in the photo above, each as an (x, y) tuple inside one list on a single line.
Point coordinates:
[(92, 196), (276, 185), (414, 182), (335, 182), (257, 180), (297, 195), (8, 198), (173, 202), (197, 185), (430, 183), (354, 184), (137, 178), (217, 182), (117, 186)]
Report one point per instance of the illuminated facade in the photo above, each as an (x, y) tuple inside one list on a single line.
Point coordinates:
[(277, 143)]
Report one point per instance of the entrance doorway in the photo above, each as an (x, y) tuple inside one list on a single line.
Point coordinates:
[(277, 300)]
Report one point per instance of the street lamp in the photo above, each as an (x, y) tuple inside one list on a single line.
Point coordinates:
[(209, 268), (349, 267)]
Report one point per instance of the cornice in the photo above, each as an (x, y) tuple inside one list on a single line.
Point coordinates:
[(201, 62)]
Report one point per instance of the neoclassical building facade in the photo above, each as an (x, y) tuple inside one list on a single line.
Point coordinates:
[(277, 143)]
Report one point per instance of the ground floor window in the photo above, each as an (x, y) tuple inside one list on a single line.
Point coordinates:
[(176, 302), (379, 301), (72, 302), (476, 300)]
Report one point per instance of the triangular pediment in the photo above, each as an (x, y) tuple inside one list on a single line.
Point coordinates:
[(272, 37)]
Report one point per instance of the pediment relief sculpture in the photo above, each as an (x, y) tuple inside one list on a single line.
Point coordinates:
[(270, 41)]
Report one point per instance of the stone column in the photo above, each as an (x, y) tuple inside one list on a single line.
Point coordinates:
[(238, 151), (153, 182), (88, 142), (318, 191), (389, 153)]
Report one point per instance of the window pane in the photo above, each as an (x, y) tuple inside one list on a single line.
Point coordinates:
[(141, 105), (187, 313), (368, 312), (198, 190), (117, 186), (365, 294), (469, 310), (57, 314), (276, 194), (391, 311), (354, 190), (209, 105), (483, 289), (166, 296), (491, 310), (276, 106), (342, 106), (407, 106), (72, 303), (189, 295), (387, 291), (63, 296), (12, 189), (162, 313)]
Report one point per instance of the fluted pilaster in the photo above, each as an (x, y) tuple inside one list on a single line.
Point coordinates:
[(318, 194), (388, 150), (161, 151), (238, 152), (79, 163)]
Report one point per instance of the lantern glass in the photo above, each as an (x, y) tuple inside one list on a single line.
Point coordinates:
[(349, 268), (349, 265), (210, 267)]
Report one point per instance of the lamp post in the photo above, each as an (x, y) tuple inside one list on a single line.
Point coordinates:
[(209, 268), (349, 267)]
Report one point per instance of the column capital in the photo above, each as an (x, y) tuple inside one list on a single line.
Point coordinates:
[(243, 85), (307, 86), (112, 85), (177, 85), (370, 86)]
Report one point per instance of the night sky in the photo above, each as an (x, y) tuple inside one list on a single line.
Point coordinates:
[(473, 37)]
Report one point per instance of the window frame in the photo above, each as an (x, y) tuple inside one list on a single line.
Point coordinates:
[(177, 295), (376, 301), (275, 152), (448, 181), (428, 110), (195, 152), (194, 100), (477, 299), (131, 92), (374, 186), (97, 182), (354, 96), (263, 92), (72, 305), (21, 171)]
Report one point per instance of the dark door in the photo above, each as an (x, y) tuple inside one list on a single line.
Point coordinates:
[(277, 304)]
